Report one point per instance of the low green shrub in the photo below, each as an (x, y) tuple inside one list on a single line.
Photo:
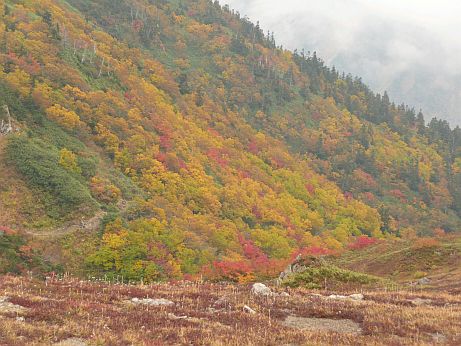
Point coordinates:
[(328, 275), (38, 163)]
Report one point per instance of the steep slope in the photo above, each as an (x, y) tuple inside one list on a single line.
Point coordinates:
[(378, 152), (208, 149)]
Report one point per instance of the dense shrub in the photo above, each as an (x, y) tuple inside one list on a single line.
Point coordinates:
[(362, 242), (16, 256), (39, 165), (327, 276)]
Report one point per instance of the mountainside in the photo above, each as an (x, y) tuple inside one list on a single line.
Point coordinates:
[(166, 139)]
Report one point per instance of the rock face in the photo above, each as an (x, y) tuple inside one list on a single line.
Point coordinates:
[(259, 289), (323, 324), (152, 302)]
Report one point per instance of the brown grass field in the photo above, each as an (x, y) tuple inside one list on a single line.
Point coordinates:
[(73, 312)]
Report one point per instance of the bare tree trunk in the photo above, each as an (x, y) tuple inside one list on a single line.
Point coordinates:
[(6, 128), (84, 53), (93, 53), (109, 73), (101, 67), (64, 35)]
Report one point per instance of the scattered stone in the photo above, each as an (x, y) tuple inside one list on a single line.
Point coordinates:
[(249, 310), (152, 302), (8, 307), (260, 289), (72, 342), (185, 318), (284, 294), (222, 303), (439, 338), (344, 326), (357, 296), (337, 296), (174, 317), (420, 301), (20, 319), (423, 281)]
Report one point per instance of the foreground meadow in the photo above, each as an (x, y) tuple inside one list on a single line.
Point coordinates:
[(73, 312)]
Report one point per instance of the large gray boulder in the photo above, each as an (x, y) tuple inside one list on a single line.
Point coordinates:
[(259, 289)]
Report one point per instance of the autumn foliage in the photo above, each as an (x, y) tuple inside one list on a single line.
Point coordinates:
[(209, 150), (362, 242)]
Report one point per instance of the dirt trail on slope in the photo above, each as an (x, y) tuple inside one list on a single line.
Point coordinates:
[(89, 225)]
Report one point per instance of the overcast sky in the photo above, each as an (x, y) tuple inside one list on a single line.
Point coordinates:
[(411, 48)]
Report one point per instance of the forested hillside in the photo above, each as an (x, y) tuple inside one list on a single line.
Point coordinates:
[(209, 150)]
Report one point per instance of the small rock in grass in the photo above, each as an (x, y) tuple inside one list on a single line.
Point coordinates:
[(420, 301), (71, 342), (174, 317), (222, 303), (284, 294), (152, 302), (439, 338), (357, 296), (336, 296), (423, 281), (260, 289), (249, 310)]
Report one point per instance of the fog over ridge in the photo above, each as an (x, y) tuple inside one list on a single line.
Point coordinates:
[(410, 48)]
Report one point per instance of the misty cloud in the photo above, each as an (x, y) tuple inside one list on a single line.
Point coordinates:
[(410, 48)]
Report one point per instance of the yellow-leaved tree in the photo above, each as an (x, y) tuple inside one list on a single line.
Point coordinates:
[(64, 117)]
